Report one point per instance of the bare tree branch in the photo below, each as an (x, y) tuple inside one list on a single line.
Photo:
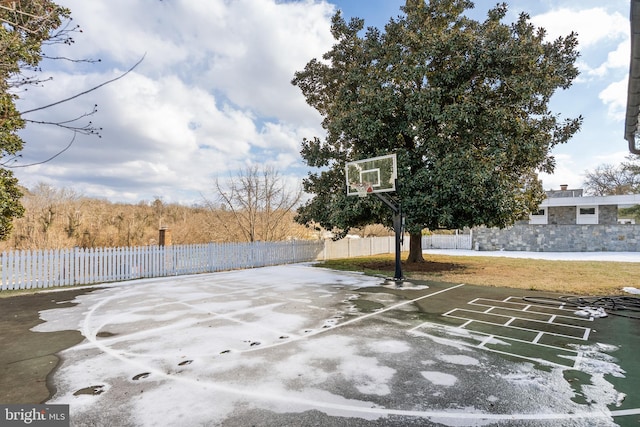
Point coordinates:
[(43, 161), (257, 200), (88, 90)]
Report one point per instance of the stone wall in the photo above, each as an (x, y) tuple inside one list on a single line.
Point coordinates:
[(608, 214), (559, 238), (562, 215)]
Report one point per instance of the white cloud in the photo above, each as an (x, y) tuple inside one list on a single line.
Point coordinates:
[(213, 93), (615, 97), (566, 172), (598, 31), (592, 25), (247, 50), (616, 59), (571, 169)]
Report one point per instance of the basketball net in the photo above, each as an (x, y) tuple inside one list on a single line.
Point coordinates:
[(363, 188)]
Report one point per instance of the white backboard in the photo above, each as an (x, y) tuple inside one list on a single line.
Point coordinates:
[(373, 175)]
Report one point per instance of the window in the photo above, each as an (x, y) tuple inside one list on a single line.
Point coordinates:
[(539, 217), (587, 215)]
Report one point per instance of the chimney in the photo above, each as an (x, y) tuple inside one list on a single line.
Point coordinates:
[(563, 187), (164, 237)]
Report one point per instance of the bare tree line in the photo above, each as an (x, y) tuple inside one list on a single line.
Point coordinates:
[(254, 205)]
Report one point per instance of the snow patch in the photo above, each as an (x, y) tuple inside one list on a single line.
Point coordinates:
[(458, 359), (389, 346), (440, 378)]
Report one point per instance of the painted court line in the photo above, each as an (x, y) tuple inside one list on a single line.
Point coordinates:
[(493, 335), (493, 319), (537, 338), (584, 337), (465, 324), (560, 305), (483, 346), (578, 329), (487, 340), (348, 322), (528, 307), (558, 319)]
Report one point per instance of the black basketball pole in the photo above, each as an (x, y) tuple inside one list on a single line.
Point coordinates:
[(397, 228)]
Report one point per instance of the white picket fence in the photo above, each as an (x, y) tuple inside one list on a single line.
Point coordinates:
[(447, 241), (78, 266)]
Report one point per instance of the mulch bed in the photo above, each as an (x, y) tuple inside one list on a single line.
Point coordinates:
[(421, 267)]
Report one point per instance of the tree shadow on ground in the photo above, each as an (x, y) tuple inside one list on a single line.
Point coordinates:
[(420, 267)]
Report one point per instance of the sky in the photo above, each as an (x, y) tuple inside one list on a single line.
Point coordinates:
[(213, 94), (297, 344)]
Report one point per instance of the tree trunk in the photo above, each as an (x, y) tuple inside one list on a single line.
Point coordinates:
[(415, 248)]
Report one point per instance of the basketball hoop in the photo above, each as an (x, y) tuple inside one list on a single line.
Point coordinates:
[(363, 188)]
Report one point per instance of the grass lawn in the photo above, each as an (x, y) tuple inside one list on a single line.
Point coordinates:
[(566, 277)]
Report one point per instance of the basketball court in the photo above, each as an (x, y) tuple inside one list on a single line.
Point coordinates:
[(301, 345)]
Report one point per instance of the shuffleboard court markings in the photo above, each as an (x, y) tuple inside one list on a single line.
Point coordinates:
[(511, 302), (536, 312), (558, 310), (559, 329), (524, 349), (541, 333)]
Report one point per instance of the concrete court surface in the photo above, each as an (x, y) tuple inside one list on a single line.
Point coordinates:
[(299, 345)]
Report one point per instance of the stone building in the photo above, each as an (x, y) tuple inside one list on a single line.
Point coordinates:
[(567, 221)]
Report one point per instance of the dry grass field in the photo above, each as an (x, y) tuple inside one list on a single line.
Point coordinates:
[(565, 277)]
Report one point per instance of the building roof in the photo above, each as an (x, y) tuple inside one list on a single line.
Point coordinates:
[(565, 192), (633, 91), (626, 200)]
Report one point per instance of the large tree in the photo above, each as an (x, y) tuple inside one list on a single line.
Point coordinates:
[(463, 104)]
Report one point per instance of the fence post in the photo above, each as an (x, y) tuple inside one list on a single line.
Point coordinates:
[(73, 265)]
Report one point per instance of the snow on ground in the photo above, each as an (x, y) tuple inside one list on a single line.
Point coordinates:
[(270, 344)]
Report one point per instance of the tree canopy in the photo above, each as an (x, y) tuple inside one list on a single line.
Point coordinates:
[(464, 104)]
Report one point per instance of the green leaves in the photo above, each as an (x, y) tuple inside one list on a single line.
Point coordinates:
[(463, 103)]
